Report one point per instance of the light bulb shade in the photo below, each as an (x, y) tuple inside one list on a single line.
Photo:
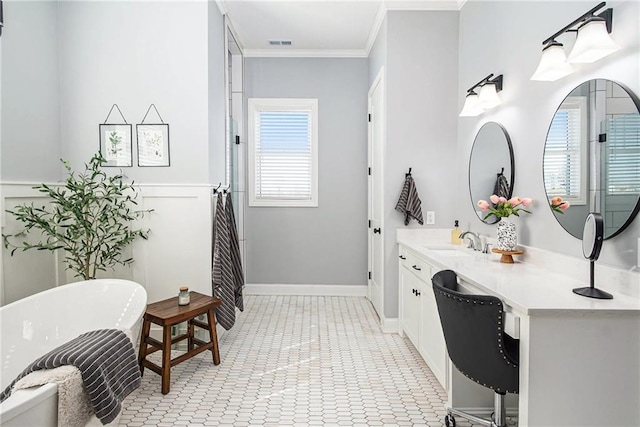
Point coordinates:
[(593, 42), (471, 106), (553, 64), (489, 96)]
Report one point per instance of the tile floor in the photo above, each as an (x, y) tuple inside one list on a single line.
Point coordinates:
[(297, 360)]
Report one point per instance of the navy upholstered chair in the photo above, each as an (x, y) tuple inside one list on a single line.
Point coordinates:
[(473, 327)]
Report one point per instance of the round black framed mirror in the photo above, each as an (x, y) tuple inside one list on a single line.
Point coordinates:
[(592, 157), (491, 167)]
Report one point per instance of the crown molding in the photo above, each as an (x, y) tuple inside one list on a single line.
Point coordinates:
[(222, 7), (299, 53), (375, 28)]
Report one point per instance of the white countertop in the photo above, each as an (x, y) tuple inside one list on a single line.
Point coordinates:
[(526, 287)]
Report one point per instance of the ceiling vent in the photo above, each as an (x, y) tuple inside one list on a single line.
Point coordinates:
[(280, 42)]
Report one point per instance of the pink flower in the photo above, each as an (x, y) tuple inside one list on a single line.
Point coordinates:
[(565, 205), (515, 201), (556, 201), (502, 200), (494, 199), (527, 201), (483, 205)]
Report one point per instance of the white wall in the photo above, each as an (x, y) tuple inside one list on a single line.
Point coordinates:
[(420, 60), (504, 37), (327, 244), (29, 90)]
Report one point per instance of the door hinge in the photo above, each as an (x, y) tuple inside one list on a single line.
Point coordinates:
[(369, 275), (369, 223), (369, 118), (369, 171)]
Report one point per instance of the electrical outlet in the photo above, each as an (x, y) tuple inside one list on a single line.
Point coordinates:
[(431, 217)]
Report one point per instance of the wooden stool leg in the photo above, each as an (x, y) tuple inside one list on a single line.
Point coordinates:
[(142, 353), (166, 358), (190, 332), (213, 336)]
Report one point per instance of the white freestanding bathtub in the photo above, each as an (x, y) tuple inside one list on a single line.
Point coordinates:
[(33, 326)]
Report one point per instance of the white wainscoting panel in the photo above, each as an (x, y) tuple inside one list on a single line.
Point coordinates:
[(30, 272), (178, 252)]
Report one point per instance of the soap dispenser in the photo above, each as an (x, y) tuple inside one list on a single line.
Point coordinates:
[(455, 234)]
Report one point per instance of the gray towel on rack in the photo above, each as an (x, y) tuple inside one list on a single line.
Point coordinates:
[(223, 286), (108, 365), (234, 249), (501, 188), (409, 202)]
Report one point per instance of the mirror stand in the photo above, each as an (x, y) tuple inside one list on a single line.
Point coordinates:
[(591, 291), (592, 237)]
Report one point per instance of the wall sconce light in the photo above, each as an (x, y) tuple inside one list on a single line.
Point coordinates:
[(593, 43), (476, 104)]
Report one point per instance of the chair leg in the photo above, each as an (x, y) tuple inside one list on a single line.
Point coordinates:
[(500, 411)]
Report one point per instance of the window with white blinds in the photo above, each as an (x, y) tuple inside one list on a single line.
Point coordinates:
[(565, 153), (283, 152), (622, 154)]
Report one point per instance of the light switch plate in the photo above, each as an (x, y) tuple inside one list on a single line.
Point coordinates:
[(431, 217)]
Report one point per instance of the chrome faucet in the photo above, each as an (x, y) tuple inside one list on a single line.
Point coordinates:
[(474, 240)]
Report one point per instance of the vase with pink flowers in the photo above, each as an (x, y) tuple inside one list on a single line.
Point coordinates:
[(502, 208)]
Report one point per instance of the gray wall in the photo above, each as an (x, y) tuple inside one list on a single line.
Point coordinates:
[(31, 115), (134, 54), (327, 244), (420, 60), (504, 37)]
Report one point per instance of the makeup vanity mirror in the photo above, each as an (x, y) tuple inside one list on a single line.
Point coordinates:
[(592, 156), (491, 169)]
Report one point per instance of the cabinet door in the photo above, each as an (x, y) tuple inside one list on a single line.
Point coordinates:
[(410, 305), (432, 344)]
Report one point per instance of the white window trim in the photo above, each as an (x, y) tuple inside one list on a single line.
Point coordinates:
[(256, 105), (580, 102)]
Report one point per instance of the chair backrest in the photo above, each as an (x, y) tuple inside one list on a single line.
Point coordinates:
[(473, 327)]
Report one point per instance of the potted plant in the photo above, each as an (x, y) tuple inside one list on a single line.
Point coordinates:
[(89, 217)]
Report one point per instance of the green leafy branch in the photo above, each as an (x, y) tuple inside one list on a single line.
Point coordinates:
[(89, 218)]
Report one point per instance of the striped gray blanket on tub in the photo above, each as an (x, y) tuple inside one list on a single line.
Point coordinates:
[(107, 361)]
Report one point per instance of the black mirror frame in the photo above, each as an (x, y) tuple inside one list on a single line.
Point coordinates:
[(636, 209), (511, 165)]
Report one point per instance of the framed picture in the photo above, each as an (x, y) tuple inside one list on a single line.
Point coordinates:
[(153, 144), (115, 145)]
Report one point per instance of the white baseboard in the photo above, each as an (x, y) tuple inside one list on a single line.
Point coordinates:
[(299, 289), (389, 325)]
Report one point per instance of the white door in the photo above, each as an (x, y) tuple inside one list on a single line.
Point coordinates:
[(376, 230)]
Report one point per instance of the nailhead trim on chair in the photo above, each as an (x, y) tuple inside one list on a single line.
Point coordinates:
[(500, 340)]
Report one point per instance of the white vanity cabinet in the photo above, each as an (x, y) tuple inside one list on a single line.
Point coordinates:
[(419, 319)]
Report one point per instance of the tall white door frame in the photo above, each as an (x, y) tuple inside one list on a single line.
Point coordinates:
[(376, 149)]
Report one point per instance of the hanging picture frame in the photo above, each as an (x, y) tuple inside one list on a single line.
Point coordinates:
[(153, 142), (115, 141)]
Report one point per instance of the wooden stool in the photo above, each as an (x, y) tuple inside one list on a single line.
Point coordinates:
[(168, 313)]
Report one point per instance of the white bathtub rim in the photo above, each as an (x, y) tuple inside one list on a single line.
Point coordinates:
[(24, 400), (70, 285)]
